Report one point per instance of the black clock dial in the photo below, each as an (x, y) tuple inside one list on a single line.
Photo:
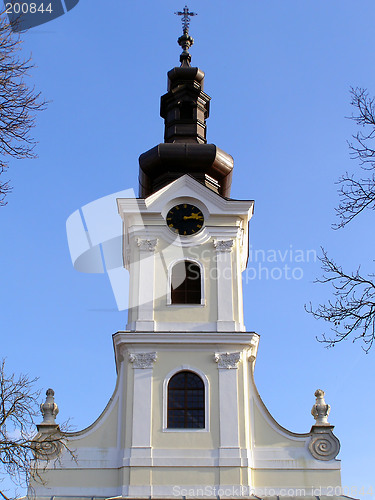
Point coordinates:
[(185, 219)]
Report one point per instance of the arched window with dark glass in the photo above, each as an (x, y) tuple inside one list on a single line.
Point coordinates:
[(186, 283), (186, 401)]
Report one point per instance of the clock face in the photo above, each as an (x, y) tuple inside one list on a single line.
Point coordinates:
[(185, 219)]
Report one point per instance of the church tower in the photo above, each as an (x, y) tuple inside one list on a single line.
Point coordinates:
[(185, 419)]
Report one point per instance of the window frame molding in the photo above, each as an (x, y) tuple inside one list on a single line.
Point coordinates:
[(206, 383), (169, 283)]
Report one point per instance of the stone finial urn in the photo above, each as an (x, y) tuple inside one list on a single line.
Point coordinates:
[(320, 410), (323, 444)]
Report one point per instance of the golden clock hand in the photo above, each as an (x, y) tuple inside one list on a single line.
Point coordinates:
[(193, 216)]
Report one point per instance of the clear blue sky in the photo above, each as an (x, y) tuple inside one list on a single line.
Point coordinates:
[(279, 74)]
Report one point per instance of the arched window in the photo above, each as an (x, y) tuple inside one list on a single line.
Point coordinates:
[(186, 401), (186, 283)]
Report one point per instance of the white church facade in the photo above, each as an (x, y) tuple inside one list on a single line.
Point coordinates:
[(185, 418)]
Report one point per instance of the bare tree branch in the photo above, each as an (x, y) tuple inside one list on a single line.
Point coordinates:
[(352, 312), (4, 496), (18, 102), (25, 454), (358, 195)]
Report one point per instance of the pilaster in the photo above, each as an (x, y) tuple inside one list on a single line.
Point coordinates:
[(142, 404), (224, 277), (229, 451), (145, 318)]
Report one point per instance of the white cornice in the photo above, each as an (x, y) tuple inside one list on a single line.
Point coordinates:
[(162, 232), (141, 341), (186, 339), (274, 458), (185, 186), (199, 190)]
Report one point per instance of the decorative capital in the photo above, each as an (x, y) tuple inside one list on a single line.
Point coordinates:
[(223, 245), (251, 357), (149, 245), (254, 343), (323, 445), (49, 408), (227, 360), (320, 410), (143, 359)]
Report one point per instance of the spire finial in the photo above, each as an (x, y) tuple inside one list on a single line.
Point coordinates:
[(49, 408), (320, 410), (185, 41), (186, 18)]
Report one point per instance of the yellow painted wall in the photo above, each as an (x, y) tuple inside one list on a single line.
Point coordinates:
[(265, 435), (104, 434), (296, 478)]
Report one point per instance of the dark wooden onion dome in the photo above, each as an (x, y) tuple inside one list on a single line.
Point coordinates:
[(185, 108)]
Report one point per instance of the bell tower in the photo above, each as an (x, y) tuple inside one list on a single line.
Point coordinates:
[(185, 232), (185, 418)]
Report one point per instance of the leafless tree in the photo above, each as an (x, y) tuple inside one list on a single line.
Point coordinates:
[(352, 312), (357, 195), (18, 102), (24, 454)]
